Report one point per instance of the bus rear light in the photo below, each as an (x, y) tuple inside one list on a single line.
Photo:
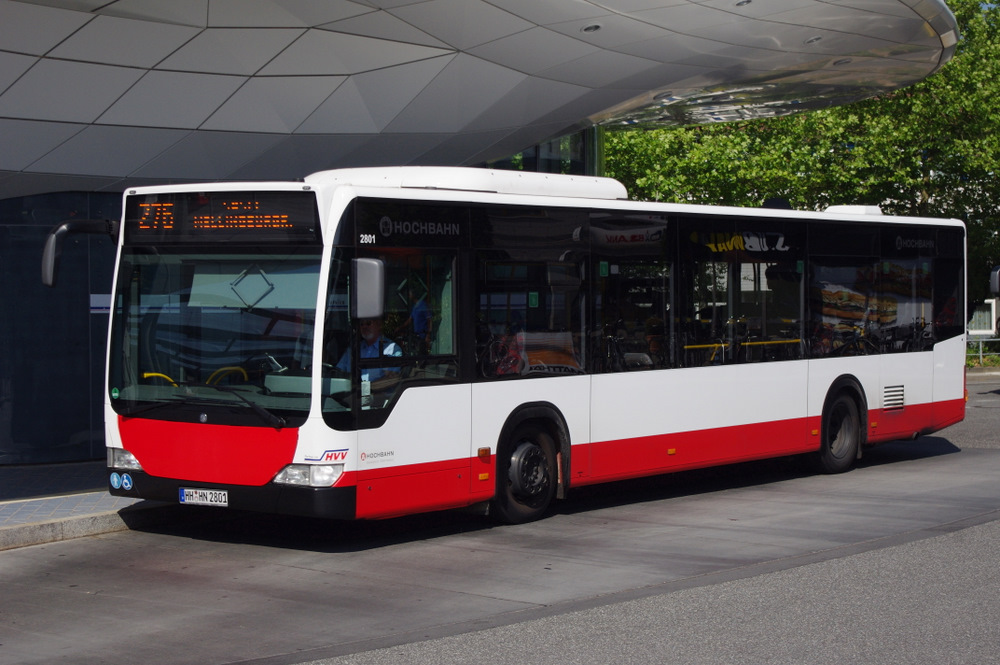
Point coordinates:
[(119, 458), (310, 475)]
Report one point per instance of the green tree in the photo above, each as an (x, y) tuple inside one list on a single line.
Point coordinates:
[(932, 149)]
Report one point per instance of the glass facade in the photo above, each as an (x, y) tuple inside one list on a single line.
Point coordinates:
[(52, 340)]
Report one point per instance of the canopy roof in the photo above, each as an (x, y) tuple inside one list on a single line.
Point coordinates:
[(100, 95)]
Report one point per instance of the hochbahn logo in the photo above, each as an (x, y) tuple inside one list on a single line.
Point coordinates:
[(913, 243), (377, 455), (388, 227)]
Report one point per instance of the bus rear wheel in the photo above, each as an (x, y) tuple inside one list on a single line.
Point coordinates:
[(526, 476), (841, 435)]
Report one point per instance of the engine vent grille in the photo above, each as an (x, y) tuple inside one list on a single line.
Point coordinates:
[(893, 398)]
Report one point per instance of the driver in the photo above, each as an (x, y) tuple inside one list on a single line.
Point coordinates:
[(373, 345)]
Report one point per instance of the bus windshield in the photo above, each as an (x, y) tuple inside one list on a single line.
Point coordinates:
[(217, 335)]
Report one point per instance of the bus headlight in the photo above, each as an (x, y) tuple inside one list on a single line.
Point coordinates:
[(119, 458), (310, 475)]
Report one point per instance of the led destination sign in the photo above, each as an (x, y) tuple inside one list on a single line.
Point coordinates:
[(215, 216)]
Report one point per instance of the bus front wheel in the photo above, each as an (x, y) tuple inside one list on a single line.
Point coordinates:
[(526, 476), (841, 435)]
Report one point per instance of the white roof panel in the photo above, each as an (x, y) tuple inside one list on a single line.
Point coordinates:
[(383, 25), (463, 24), (122, 41), (231, 51), (172, 99), (280, 13), (66, 91), (178, 12), (107, 151), (35, 30), (278, 104), (320, 52)]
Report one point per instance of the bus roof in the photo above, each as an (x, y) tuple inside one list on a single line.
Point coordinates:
[(474, 180), (434, 183)]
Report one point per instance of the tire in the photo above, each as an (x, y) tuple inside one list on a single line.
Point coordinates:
[(841, 435), (526, 476)]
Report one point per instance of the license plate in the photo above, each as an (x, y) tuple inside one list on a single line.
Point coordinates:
[(199, 497)]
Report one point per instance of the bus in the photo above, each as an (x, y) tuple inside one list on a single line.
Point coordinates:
[(371, 343)]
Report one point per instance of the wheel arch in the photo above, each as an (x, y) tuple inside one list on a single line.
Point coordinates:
[(549, 417), (848, 384)]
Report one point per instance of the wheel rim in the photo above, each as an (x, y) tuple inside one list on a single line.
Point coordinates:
[(529, 472)]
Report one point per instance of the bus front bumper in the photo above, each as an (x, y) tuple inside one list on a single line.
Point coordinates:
[(325, 502)]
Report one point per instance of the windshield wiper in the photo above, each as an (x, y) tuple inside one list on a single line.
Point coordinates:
[(271, 419)]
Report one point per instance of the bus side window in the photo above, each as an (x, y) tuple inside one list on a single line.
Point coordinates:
[(632, 280)]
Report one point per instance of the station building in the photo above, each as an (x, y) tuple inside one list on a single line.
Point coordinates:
[(100, 95)]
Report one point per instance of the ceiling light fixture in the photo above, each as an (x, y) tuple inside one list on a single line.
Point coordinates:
[(593, 27)]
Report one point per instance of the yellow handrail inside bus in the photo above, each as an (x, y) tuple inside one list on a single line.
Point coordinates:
[(158, 375), (771, 341), (223, 371)]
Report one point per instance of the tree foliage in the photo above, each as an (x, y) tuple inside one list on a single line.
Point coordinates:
[(932, 149)]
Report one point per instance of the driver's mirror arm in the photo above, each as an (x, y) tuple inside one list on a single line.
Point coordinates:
[(53, 243)]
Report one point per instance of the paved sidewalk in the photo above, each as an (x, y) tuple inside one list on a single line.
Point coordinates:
[(48, 502)]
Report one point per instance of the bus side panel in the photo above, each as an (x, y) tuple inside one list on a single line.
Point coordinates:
[(824, 372), (906, 396), (949, 382), (493, 402), (419, 460), (654, 421), (403, 490)]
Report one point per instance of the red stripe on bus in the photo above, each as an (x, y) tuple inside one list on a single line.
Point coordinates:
[(208, 453), (893, 424), (401, 490), (650, 455)]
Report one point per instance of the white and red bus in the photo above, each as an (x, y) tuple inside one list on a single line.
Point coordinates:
[(538, 333)]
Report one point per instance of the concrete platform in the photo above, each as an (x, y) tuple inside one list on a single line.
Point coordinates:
[(51, 502)]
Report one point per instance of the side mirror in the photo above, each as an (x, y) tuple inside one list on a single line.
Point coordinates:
[(995, 281), (367, 288), (53, 243)]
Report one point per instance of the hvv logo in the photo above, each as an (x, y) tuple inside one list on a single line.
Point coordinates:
[(330, 456)]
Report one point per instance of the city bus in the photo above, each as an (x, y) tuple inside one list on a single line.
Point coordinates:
[(371, 343)]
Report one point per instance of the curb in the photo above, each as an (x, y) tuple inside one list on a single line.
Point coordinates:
[(40, 533)]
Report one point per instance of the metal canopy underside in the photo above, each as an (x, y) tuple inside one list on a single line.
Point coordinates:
[(100, 95)]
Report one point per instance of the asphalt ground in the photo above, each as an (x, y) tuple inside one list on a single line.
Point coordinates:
[(932, 601), (924, 595)]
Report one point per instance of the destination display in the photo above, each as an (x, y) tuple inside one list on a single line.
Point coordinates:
[(279, 216)]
